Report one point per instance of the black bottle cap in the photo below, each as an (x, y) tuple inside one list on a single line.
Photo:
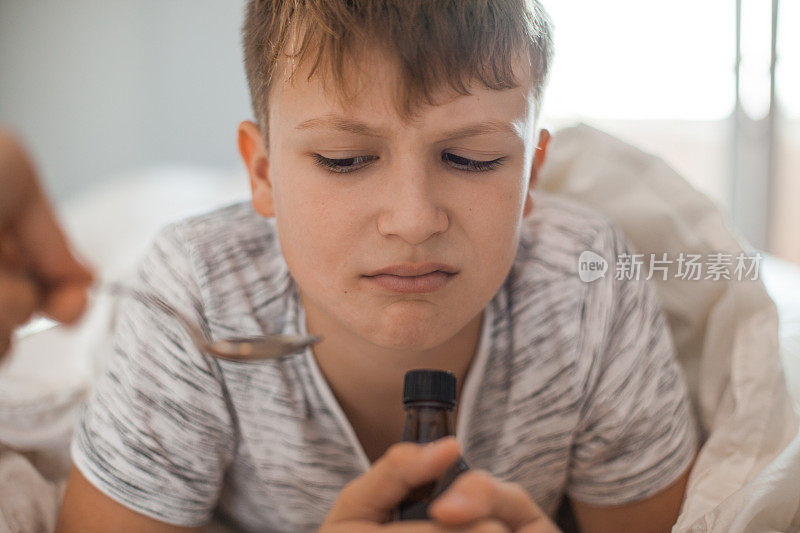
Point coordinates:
[(430, 385)]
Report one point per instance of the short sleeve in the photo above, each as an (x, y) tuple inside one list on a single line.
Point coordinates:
[(637, 434), (156, 433)]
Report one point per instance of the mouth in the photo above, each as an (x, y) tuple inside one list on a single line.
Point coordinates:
[(413, 278), (414, 269), (430, 282)]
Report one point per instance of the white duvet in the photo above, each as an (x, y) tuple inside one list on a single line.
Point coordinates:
[(747, 475)]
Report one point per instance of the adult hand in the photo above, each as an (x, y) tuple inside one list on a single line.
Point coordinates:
[(474, 503), (37, 270)]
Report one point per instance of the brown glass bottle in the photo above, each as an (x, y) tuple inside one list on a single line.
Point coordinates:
[(429, 397)]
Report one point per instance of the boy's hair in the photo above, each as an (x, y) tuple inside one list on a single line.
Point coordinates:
[(437, 43)]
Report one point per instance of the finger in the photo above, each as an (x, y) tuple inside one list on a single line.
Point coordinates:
[(66, 303), (63, 280), (10, 254), (476, 494), (17, 178), (27, 215), (44, 246), (63, 301), (404, 466), (19, 298), (416, 526), (480, 526), (5, 342)]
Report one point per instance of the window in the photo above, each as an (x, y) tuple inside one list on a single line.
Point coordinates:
[(662, 76)]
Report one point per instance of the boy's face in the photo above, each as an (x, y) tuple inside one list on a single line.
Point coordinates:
[(356, 189)]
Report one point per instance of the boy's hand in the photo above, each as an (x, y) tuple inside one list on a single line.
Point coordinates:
[(488, 506), (37, 270), (476, 494)]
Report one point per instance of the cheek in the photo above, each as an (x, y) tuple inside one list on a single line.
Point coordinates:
[(494, 222), (317, 232)]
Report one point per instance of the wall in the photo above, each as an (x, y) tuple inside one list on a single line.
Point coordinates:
[(97, 89)]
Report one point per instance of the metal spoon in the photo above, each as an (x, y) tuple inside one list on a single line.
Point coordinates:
[(237, 349)]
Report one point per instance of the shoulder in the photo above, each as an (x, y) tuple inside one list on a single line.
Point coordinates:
[(233, 258), (554, 238), (560, 229), (224, 234), (558, 318)]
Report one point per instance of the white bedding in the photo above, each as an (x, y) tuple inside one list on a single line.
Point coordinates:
[(747, 477)]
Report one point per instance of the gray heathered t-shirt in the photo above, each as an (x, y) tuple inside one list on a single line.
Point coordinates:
[(573, 390)]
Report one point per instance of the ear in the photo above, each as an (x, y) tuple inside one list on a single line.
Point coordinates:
[(256, 159), (538, 162)]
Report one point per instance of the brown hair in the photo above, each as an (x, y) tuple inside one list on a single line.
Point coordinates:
[(437, 43)]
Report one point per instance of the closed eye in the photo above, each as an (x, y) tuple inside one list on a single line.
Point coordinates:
[(344, 165), (351, 164), (471, 165)]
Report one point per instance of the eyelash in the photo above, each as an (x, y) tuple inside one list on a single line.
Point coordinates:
[(351, 164), (471, 165), (337, 166)]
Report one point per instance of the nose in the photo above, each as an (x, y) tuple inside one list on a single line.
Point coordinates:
[(412, 213)]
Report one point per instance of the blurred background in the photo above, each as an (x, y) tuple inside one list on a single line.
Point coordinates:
[(104, 89)]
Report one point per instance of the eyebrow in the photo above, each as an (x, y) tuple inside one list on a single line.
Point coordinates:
[(344, 124), (340, 123)]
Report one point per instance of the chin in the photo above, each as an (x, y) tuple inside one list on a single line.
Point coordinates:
[(414, 335), (406, 345)]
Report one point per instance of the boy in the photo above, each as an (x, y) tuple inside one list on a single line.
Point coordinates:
[(391, 171)]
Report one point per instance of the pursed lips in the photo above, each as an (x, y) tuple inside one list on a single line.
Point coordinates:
[(413, 278), (414, 269)]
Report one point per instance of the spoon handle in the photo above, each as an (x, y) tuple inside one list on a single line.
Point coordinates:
[(34, 326), (40, 324)]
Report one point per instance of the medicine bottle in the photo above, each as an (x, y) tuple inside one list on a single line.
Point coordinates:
[(429, 397)]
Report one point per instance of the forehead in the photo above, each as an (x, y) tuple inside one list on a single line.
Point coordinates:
[(372, 93)]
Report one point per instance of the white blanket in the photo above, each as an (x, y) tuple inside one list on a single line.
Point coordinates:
[(747, 476)]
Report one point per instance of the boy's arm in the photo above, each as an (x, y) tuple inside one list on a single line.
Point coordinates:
[(656, 513), (86, 509)]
